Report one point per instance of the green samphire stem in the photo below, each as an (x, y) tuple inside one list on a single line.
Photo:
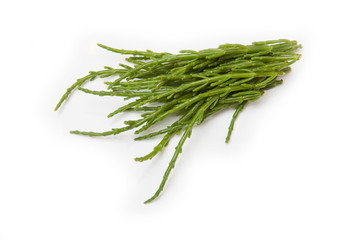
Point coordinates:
[(192, 85)]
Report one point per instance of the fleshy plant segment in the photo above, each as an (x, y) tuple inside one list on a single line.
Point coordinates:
[(193, 85)]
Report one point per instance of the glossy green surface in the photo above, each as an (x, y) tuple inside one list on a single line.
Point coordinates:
[(192, 84)]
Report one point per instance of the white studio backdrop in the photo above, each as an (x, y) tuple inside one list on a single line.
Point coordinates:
[(290, 171)]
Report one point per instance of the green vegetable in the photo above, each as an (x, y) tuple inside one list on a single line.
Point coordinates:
[(193, 85)]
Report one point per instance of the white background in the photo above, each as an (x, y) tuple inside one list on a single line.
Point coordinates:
[(290, 171)]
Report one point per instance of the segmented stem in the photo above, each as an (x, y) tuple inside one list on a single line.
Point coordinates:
[(239, 108), (193, 85)]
